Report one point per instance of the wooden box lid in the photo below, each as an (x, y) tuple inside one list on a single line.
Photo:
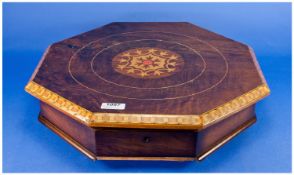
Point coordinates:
[(168, 75)]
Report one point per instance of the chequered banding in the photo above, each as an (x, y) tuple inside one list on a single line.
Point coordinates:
[(152, 120)]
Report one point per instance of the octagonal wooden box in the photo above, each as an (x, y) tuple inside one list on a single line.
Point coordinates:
[(148, 91)]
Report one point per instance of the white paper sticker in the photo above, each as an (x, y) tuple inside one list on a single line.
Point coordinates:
[(115, 106)]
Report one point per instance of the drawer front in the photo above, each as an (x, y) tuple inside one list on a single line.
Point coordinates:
[(147, 143)]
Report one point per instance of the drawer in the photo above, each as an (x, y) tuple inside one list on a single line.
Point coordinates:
[(149, 143)]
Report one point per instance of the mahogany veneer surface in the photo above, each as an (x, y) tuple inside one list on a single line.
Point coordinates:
[(79, 66)]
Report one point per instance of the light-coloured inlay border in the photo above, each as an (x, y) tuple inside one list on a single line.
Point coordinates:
[(147, 120)]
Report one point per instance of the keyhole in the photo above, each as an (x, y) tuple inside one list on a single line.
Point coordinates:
[(147, 139)]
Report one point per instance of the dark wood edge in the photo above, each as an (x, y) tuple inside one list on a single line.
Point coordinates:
[(251, 51), (226, 139), (92, 156), (40, 63)]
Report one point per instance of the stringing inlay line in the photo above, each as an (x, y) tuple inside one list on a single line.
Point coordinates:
[(164, 87), (132, 98)]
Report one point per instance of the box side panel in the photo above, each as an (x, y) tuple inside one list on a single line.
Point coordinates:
[(119, 142), (79, 132), (208, 138)]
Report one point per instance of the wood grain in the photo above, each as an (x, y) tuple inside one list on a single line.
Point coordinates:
[(187, 90), (229, 69), (117, 143)]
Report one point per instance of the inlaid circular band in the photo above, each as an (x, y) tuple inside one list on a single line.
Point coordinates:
[(163, 87), (151, 92)]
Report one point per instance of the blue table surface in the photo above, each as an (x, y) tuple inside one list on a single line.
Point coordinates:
[(28, 28)]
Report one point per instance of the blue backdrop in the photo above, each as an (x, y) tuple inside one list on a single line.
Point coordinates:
[(28, 28)]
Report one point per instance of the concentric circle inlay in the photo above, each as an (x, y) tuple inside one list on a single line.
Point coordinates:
[(148, 65)]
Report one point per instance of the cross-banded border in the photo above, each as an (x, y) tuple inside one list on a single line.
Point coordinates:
[(156, 121)]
